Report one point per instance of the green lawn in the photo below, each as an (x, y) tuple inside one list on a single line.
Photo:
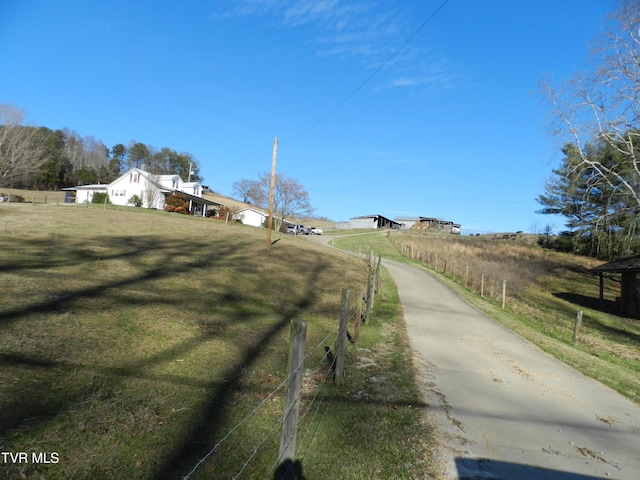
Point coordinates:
[(133, 342)]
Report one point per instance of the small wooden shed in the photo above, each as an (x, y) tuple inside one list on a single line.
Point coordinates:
[(629, 268)]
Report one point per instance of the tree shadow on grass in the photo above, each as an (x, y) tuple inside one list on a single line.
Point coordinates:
[(200, 441), (152, 258), (592, 303), (37, 402), (605, 306), (40, 402)]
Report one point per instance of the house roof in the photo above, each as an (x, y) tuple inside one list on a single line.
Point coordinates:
[(259, 212), (370, 216), (195, 199), (378, 219), (96, 186), (628, 264)]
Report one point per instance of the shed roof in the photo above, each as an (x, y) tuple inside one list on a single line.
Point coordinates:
[(628, 264), (252, 209)]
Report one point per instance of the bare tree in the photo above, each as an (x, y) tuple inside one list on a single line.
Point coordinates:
[(249, 191), (152, 194), (22, 148), (96, 153), (73, 149), (603, 105), (289, 197)]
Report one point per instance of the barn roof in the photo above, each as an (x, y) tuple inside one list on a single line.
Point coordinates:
[(628, 264)]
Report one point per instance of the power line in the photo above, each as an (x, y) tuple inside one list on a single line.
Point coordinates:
[(408, 195), (358, 88), (368, 79)]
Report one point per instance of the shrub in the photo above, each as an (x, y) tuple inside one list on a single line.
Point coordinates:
[(100, 198), (220, 213), (177, 203), (135, 200)]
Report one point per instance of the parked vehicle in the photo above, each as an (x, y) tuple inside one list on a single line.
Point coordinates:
[(295, 229), (316, 231)]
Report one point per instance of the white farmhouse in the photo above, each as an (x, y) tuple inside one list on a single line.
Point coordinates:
[(149, 189)]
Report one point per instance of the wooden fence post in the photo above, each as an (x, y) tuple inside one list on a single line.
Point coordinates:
[(370, 294), (504, 293), (342, 335), (356, 327), (291, 413), (576, 327), (482, 284), (466, 275), (601, 297), (377, 275)]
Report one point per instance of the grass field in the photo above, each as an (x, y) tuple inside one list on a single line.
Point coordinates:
[(133, 342), (545, 290)]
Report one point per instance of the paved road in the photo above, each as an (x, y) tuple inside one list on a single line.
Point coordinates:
[(506, 409)]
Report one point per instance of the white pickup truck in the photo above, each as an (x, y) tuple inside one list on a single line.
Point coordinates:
[(316, 231)]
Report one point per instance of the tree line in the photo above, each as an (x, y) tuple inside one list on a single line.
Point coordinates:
[(44, 159), (597, 185)]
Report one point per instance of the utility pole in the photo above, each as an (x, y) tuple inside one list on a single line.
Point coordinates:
[(271, 189)]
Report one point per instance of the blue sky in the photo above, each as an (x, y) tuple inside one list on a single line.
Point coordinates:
[(452, 125)]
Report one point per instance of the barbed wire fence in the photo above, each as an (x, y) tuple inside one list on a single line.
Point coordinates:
[(314, 402)]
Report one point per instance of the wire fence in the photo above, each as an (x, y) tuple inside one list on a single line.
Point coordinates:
[(481, 282), (313, 401), (35, 197)]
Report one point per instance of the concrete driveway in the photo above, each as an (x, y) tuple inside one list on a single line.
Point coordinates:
[(505, 409)]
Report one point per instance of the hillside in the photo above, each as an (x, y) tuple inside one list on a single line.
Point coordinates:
[(135, 341), (544, 290)]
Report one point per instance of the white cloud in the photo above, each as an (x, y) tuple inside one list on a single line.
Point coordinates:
[(370, 32), (309, 11)]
